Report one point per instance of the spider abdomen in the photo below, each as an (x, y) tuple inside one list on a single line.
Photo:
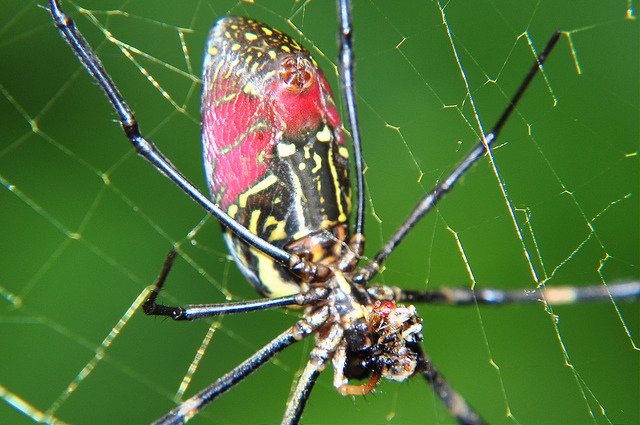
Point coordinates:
[(274, 152)]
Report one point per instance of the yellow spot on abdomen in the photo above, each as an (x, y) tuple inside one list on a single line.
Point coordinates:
[(285, 149), (253, 221), (270, 221), (262, 185), (318, 160), (271, 278), (279, 232), (250, 89), (324, 135), (232, 211)]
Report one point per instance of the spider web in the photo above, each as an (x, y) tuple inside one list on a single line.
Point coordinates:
[(86, 224)]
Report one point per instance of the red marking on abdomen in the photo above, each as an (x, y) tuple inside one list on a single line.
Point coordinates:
[(240, 153)]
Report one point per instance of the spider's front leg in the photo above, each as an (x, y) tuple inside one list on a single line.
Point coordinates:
[(195, 404), (545, 294), (455, 403), (323, 350)]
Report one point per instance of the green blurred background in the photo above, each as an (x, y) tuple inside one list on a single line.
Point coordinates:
[(85, 224)]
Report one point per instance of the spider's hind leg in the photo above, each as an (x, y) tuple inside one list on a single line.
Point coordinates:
[(199, 311)]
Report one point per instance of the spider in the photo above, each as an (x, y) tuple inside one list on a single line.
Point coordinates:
[(278, 173)]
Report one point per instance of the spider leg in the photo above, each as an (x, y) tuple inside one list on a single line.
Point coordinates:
[(546, 294), (431, 199), (324, 348), (455, 403), (348, 89), (150, 152), (340, 381), (195, 404), (199, 311)]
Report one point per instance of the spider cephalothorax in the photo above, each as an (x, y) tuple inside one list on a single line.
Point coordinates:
[(378, 338)]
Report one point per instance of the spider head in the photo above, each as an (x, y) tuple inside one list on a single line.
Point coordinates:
[(382, 344), (394, 329)]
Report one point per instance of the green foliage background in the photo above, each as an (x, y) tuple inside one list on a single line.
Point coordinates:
[(85, 224)]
